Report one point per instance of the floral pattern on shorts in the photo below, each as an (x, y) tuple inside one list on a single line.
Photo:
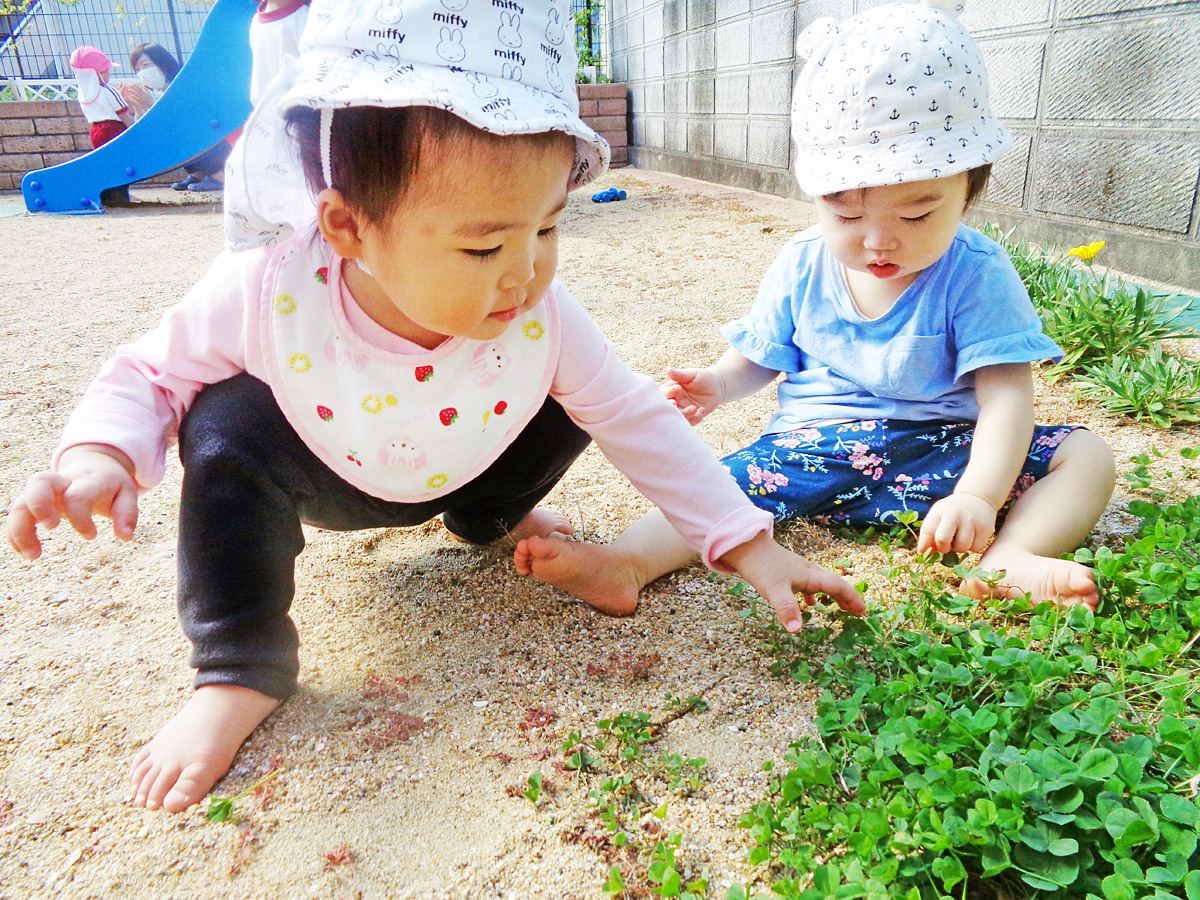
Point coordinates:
[(867, 472)]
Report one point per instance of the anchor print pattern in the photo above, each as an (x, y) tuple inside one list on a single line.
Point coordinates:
[(919, 109)]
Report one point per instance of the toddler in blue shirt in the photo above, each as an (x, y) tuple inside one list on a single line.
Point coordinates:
[(905, 339)]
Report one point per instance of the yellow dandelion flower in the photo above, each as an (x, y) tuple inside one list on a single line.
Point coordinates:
[(299, 362), (1088, 251), (372, 404), (534, 330), (284, 304), (436, 482)]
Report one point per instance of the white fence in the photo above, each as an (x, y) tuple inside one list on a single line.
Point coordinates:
[(37, 89)]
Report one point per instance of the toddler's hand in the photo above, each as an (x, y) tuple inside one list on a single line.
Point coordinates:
[(961, 522), (778, 574), (91, 479), (696, 392)]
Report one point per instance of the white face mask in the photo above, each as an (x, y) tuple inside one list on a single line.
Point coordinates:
[(152, 77)]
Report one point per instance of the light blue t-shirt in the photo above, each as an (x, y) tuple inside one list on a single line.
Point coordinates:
[(915, 362)]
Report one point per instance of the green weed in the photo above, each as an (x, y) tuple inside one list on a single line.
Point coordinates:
[(629, 793), (220, 809), (1101, 320), (1111, 334), (534, 792), (1156, 387), (1001, 750), (681, 705), (1150, 478)]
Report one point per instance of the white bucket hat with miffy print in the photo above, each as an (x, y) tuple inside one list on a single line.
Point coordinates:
[(898, 93), (505, 66)]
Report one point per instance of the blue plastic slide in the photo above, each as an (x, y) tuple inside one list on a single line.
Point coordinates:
[(208, 99)]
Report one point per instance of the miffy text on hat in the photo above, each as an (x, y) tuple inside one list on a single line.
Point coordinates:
[(506, 67)]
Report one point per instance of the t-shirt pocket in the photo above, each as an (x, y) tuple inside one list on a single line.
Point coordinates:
[(919, 367)]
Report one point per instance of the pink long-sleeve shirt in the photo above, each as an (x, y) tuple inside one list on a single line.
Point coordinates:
[(140, 395)]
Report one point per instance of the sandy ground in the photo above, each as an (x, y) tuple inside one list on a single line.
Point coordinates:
[(434, 680)]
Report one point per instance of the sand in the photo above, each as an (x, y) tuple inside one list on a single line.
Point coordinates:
[(434, 680)]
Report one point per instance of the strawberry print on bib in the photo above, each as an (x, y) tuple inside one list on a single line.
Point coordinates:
[(402, 427)]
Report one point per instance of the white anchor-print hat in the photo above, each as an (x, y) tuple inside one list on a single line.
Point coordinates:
[(898, 93), (505, 66)]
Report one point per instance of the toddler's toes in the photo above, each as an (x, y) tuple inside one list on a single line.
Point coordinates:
[(532, 550), (542, 522), (139, 766), (1080, 587), (1082, 580), (191, 787), (156, 785), (1056, 580), (521, 558), (547, 547)]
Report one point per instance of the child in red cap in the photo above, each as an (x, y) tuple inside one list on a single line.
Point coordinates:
[(101, 103), (103, 106)]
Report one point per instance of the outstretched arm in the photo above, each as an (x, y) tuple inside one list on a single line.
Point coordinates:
[(697, 392), (90, 479), (966, 520)]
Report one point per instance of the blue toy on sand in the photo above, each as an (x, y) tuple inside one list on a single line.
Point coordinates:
[(208, 100), (608, 196)]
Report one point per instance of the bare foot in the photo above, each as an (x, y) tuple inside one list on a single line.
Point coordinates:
[(595, 573), (1058, 580), (541, 522), (184, 760)]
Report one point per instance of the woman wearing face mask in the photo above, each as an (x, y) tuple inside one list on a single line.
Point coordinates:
[(156, 68)]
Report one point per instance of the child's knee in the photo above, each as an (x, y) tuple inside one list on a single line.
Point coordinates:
[(236, 416), (1087, 453)]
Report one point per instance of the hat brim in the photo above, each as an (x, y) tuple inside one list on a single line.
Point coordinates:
[(266, 198), (880, 159), (490, 103)]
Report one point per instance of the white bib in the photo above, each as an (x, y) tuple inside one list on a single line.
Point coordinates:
[(402, 427)]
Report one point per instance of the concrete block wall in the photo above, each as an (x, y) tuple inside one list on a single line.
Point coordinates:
[(1103, 97)]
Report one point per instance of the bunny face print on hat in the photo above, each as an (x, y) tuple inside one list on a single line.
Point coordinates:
[(895, 94), (505, 66)]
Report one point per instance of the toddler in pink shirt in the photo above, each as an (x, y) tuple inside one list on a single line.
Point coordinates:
[(405, 354)]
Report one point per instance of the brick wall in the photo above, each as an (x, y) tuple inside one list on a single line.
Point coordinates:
[(605, 108), (36, 134)]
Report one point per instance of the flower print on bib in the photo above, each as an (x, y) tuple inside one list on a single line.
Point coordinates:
[(402, 427)]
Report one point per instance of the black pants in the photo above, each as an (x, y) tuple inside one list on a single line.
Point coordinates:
[(250, 481), (211, 161)]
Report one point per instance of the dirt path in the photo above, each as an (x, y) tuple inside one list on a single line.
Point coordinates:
[(434, 681)]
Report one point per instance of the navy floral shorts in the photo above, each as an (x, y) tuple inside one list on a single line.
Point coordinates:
[(866, 472)]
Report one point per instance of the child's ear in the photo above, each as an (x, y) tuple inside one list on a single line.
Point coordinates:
[(340, 225)]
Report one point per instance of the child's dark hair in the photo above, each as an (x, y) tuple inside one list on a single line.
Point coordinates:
[(159, 55), (375, 152), (977, 181)]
